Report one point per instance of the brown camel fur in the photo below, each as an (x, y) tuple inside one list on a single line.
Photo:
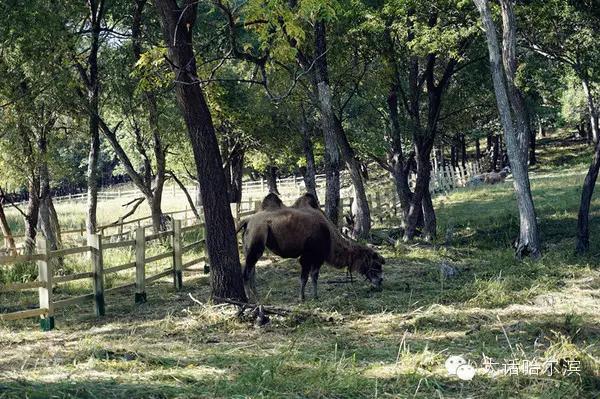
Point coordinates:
[(303, 232)]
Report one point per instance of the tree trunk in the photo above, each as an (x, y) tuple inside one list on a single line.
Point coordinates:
[(415, 212), (589, 183), (31, 218), (9, 241), (332, 155), (463, 150), (360, 208), (335, 138), (221, 241), (495, 153), (271, 177), (532, 142), (236, 164), (453, 156), (45, 221), (477, 150), (429, 219), (589, 95), (309, 172), (516, 132), (399, 166), (541, 129), (96, 9)]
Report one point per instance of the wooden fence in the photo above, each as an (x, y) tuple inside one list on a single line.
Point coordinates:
[(96, 247)]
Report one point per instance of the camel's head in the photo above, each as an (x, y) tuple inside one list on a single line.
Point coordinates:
[(370, 264)]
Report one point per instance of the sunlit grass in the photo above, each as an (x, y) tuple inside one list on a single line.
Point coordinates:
[(352, 342)]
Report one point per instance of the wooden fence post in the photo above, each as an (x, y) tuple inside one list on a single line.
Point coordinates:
[(177, 255), (45, 274), (95, 244), (140, 267), (120, 229)]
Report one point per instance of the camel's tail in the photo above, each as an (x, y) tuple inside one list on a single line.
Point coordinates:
[(243, 225)]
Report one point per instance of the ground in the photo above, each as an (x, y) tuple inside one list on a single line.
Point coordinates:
[(352, 342)]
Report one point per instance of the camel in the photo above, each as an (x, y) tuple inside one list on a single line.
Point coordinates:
[(303, 231)]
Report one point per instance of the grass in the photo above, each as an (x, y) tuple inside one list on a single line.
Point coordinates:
[(352, 343)]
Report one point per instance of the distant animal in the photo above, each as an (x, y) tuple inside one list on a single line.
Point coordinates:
[(489, 178), (303, 231)]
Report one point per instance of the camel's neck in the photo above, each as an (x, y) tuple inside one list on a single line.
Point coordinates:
[(341, 252)]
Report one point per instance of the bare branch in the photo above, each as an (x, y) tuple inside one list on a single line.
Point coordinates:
[(187, 194)]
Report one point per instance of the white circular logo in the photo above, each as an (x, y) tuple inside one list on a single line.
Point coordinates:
[(453, 362), (465, 372)]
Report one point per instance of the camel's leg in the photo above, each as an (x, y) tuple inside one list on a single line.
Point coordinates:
[(314, 276), (252, 253), (306, 268)]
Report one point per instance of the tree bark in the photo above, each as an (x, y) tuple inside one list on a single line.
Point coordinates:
[(399, 166), (335, 138), (532, 142), (236, 166), (589, 183), (495, 153), (592, 109), (477, 150), (96, 9), (271, 177), (453, 155), (415, 212), (9, 241), (516, 131), (463, 150), (31, 216), (221, 243), (309, 172), (45, 221)]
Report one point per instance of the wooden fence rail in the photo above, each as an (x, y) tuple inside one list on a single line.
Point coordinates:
[(96, 248)]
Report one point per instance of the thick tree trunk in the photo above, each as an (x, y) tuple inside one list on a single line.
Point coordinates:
[(9, 241), (221, 242), (477, 150), (516, 131), (308, 172), (271, 177)]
